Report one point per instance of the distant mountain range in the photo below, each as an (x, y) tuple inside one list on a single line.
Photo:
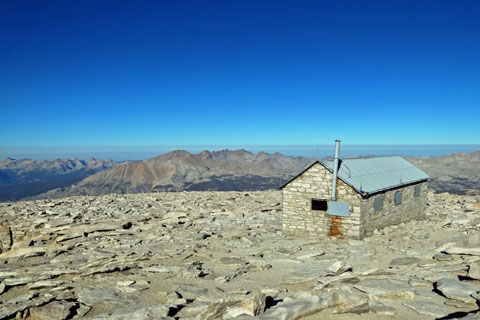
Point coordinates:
[(180, 170), (24, 178), (454, 173)]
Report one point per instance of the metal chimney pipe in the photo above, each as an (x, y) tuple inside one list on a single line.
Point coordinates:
[(335, 170)]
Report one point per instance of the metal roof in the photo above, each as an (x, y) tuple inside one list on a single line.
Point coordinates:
[(375, 174)]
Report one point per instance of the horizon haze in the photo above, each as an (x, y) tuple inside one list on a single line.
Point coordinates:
[(137, 153)]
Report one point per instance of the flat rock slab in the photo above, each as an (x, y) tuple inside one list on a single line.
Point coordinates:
[(381, 308), (23, 253), (231, 307), (386, 288), (474, 270), (344, 299), (302, 304), (442, 257), (458, 290), (22, 298), (468, 246), (93, 296), (55, 310), (45, 284), (312, 255), (9, 309), (191, 291), (137, 313), (404, 261), (19, 281), (429, 308), (232, 260), (80, 230)]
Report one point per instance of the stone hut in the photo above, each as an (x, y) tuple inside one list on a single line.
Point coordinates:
[(375, 192)]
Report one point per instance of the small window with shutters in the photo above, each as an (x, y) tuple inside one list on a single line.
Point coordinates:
[(416, 191), (398, 198), (378, 203)]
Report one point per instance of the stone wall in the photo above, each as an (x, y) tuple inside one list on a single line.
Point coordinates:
[(300, 220), (411, 208), (315, 183)]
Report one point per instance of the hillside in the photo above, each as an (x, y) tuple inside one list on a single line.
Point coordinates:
[(457, 173), (180, 170), (25, 177)]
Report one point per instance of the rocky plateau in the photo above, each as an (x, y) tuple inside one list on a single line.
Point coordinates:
[(222, 255)]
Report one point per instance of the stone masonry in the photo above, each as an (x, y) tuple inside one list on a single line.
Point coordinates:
[(411, 208), (316, 182)]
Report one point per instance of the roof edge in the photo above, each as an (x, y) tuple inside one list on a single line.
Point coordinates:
[(360, 192), (298, 175), (365, 194)]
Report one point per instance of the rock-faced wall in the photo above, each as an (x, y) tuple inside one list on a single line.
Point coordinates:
[(411, 207), (300, 219)]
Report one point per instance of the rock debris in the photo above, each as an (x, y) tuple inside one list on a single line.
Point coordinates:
[(222, 255)]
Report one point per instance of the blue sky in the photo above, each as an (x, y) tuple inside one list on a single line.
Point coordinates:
[(142, 73)]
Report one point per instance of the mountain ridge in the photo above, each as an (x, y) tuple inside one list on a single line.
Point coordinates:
[(179, 170), (20, 178), (227, 170)]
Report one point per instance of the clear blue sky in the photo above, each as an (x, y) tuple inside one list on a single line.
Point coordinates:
[(95, 73)]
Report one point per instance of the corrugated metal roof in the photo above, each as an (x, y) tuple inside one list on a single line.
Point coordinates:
[(375, 174)]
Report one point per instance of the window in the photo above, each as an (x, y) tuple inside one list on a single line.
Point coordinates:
[(319, 205), (398, 198), (378, 203), (416, 191)]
